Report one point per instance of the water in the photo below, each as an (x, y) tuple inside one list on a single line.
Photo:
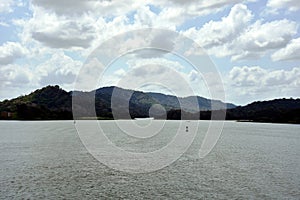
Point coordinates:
[(250, 161)]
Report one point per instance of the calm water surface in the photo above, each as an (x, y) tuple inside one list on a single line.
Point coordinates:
[(250, 161)]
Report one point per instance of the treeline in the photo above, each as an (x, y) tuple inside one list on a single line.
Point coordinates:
[(273, 111), (53, 103)]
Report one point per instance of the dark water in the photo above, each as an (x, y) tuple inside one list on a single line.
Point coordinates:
[(251, 161)]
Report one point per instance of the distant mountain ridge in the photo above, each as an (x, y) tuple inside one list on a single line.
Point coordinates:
[(276, 111), (54, 103), (140, 102)]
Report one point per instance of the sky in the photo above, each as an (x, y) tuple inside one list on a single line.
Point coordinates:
[(253, 44)]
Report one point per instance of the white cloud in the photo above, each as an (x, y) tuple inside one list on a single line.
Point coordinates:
[(260, 37), (117, 8), (153, 75), (158, 75), (4, 24), (216, 33), (135, 63), (247, 76), (90, 75), (247, 84), (237, 37), (99, 7), (14, 75), (78, 33), (290, 52), (291, 5), (56, 32), (82, 25), (256, 76), (66, 35), (13, 78), (181, 9), (10, 51), (59, 69), (6, 6)]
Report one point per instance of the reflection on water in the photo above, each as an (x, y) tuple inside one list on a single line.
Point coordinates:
[(48, 160)]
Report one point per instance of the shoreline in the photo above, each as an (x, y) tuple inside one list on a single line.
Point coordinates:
[(188, 120)]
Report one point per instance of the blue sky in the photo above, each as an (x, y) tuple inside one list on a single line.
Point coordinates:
[(253, 44)]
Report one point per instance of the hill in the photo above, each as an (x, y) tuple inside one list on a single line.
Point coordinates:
[(52, 102), (274, 111)]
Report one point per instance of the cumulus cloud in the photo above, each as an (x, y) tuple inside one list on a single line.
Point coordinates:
[(246, 76), (65, 35), (6, 6), (178, 9), (135, 63), (139, 71), (59, 69), (236, 36), (10, 51), (290, 52), (115, 8), (4, 24), (256, 76), (155, 75), (13, 78), (261, 37), (57, 31), (159, 75), (159, 42), (291, 5), (14, 75), (79, 32), (216, 33), (90, 75), (172, 12), (81, 25), (253, 83), (79, 7)]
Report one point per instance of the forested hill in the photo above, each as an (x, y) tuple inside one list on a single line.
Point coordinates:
[(276, 111), (53, 103), (48, 103)]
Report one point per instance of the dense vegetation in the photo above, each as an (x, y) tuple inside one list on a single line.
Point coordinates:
[(53, 103), (47, 103), (275, 111)]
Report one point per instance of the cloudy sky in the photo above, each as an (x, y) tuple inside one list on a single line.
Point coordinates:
[(254, 44)]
